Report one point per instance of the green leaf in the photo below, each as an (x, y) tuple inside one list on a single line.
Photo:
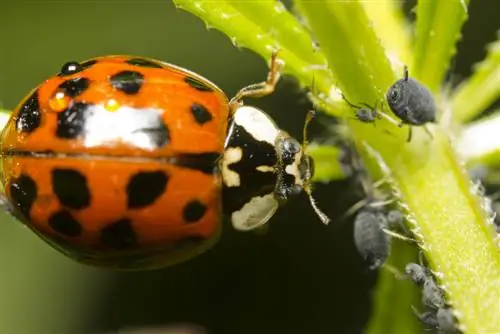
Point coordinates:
[(437, 32), (252, 24), (391, 26), (327, 163), (483, 87), (355, 55)]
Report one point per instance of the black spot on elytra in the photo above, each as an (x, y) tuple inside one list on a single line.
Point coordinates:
[(69, 68), (28, 118), (204, 162), (71, 122), (200, 113), (197, 84), (119, 235), (70, 187), (74, 87), (64, 223), (23, 192), (143, 62), (159, 134), (128, 82), (73, 67), (194, 211), (144, 188)]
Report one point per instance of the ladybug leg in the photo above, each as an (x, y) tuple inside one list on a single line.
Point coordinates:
[(262, 88)]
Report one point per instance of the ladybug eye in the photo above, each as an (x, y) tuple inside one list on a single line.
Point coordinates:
[(291, 145), (71, 68)]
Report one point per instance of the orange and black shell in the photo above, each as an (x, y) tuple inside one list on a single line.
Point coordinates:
[(113, 161)]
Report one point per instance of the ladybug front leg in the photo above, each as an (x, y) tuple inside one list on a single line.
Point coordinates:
[(261, 88)]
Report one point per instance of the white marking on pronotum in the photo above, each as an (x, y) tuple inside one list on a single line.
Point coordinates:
[(257, 123), (231, 155), (293, 169), (254, 213)]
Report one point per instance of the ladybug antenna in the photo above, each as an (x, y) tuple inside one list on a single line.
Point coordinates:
[(307, 185)]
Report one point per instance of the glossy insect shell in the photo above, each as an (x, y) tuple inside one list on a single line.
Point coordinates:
[(114, 162)]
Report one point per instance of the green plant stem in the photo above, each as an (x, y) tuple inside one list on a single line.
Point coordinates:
[(391, 26), (328, 166), (483, 87), (444, 214)]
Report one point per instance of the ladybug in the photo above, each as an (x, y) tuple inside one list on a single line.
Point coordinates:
[(129, 163)]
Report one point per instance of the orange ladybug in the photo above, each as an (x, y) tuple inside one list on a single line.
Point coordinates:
[(129, 162)]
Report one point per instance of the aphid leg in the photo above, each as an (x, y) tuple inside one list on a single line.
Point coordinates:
[(410, 133), (428, 131), (395, 271), (399, 236), (427, 318), (261, 88), (379, 204)]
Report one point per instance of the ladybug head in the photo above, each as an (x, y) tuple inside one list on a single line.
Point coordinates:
[(295, 168)]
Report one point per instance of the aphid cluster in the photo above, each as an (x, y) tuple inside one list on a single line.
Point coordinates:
[(374, 226), (438, 315), (375, 223), (408, 99)]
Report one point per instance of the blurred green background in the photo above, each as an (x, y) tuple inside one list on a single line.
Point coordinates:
[(301, 277)]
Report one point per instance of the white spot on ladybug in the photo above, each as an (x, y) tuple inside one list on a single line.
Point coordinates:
[(257, 123), (231, 155), (293, 169), (141, 128), (255, 212)]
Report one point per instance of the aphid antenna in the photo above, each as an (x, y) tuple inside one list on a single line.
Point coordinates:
[(353, 105), (405, 73), (426, 128), (307, 186)]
